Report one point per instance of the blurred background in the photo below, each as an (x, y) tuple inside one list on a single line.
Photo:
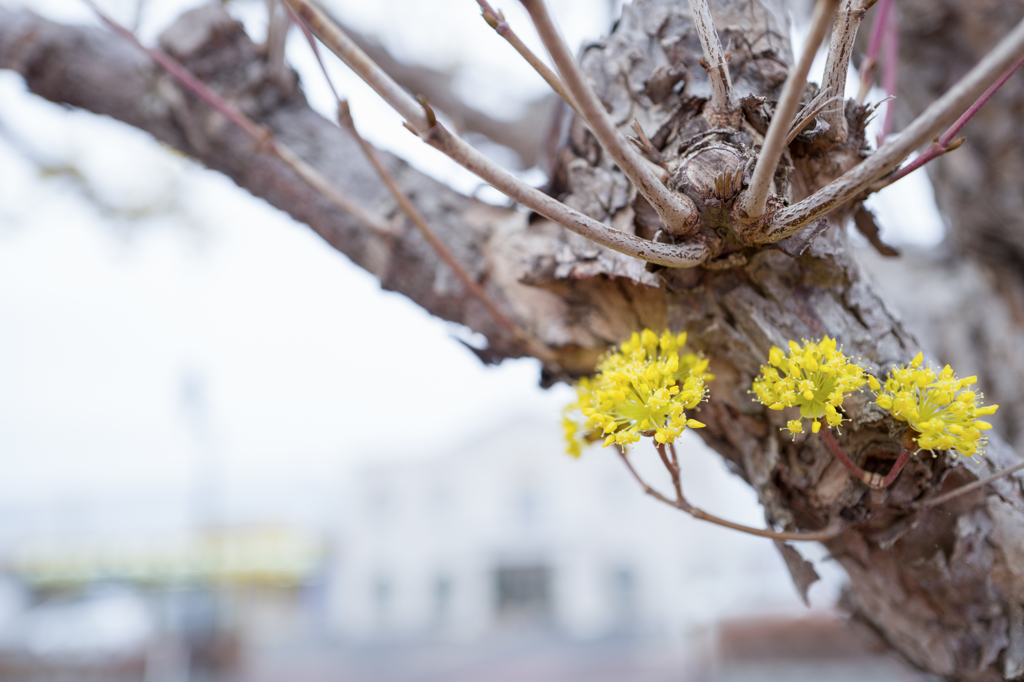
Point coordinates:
[(227, 454)]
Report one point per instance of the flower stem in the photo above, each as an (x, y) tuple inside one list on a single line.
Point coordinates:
[(832, 530), (872, 479), (901, 462)]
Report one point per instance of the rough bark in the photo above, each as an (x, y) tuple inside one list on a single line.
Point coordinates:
[(943, 587)]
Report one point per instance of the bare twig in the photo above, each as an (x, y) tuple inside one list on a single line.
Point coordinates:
[(685, 255), (813, 108), (677, 212), (938, 115), (832, 531), (964, 489), (840, 49), (949, 141), (753, 201), (421, 120), (867, 67), (890, 69), (259, 134), (646, 147), (722, 100), (496, 20), (471, 285), (342, 45)]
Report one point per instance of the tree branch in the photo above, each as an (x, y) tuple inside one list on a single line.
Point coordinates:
[(940, 114), (870, 63), (259, 135), (676, 211), (948, 141), (722, 101), (752, 203), (496, 20), (421, 120), (840, 50), (915, 577)]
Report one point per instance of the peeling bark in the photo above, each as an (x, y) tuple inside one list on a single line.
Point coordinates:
[(944, 586)]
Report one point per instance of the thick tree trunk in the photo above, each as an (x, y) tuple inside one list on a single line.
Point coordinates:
[(944, 587)]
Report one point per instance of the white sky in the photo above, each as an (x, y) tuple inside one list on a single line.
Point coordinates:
[(137, 270)]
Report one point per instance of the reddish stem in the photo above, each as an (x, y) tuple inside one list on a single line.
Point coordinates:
[(947, 141), (867, 73), (186, 78), (890, 69), (838, 453), (877, 29), (901, 462), (873, 480)]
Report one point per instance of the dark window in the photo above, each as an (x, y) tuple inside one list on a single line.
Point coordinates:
[(382, 596), (623, 597), (442, 598), (523, 592)]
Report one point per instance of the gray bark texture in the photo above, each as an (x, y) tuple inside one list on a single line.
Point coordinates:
[(944, 587)]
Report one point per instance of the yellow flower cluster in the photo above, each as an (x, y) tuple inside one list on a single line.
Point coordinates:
[(643, 389), (937, 405), (814, 376)]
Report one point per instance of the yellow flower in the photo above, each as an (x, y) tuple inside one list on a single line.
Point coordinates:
[(937, 405), (642, 389), (813, 376)]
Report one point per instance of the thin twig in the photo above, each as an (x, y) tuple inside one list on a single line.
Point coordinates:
[(258, 133), (937, 116), (840, 49), (948, 141), (646, 147), (342, 45), (677, 212), (496, 20), (867, 67), (890, 70), (421, 121), (753, 201), (471, 285), (833, 530), (809, 116), (722, 100), (964, 489)]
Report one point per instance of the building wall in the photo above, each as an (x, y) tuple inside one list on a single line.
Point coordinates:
[(507, 533)]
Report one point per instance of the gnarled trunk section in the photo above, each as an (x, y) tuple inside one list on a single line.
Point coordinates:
[(944, 586)]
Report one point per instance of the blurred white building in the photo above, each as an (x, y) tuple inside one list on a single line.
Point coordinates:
[(508, 532)]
